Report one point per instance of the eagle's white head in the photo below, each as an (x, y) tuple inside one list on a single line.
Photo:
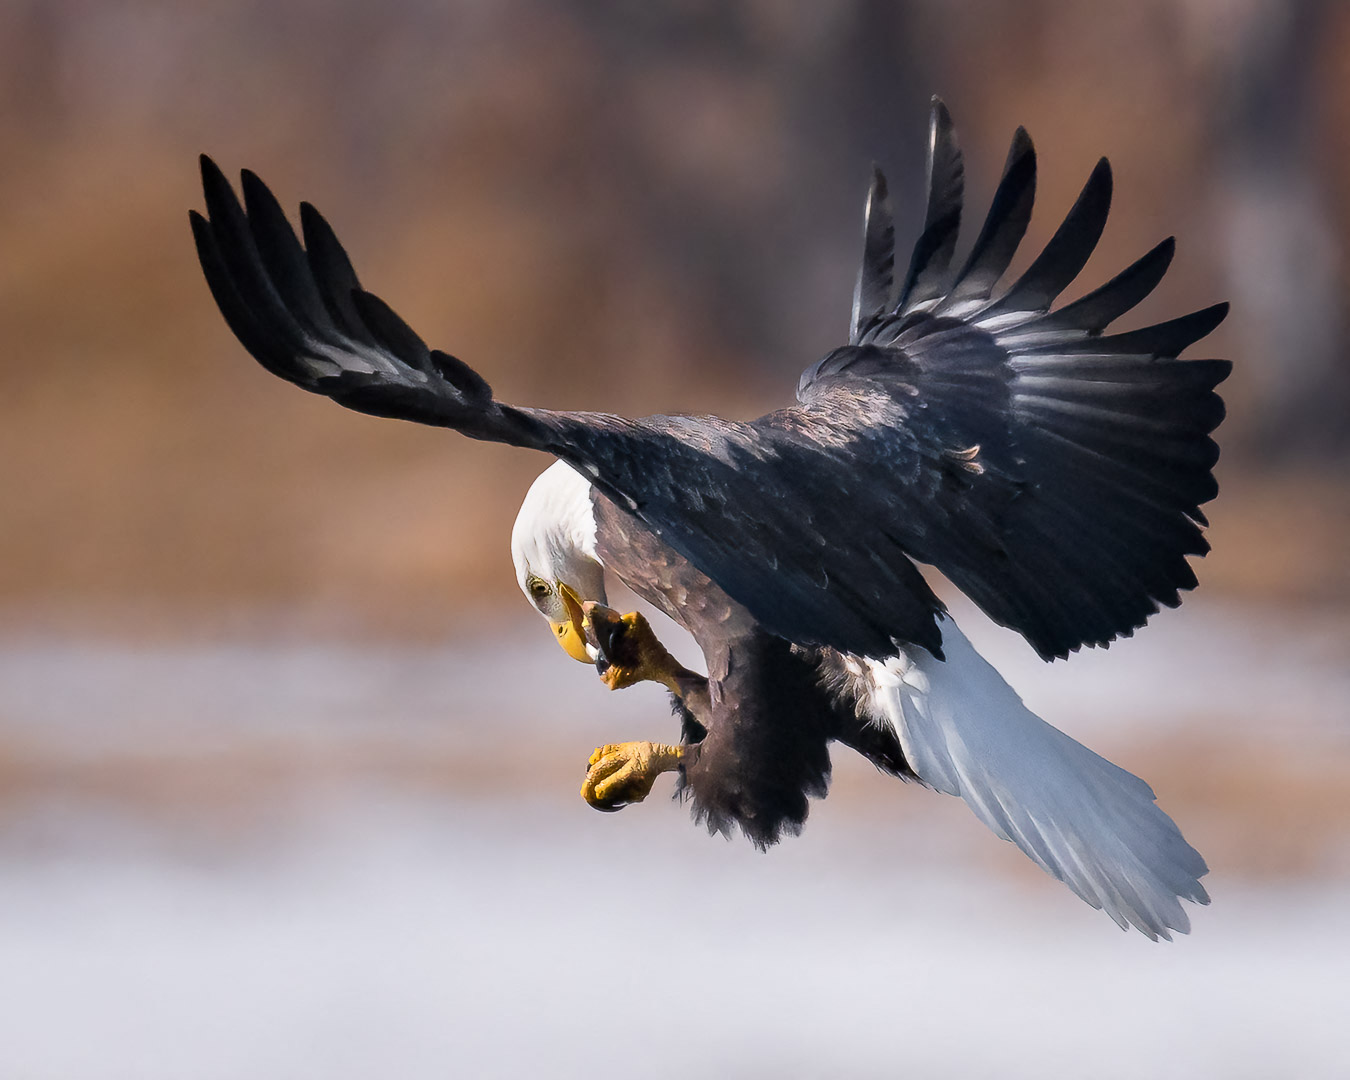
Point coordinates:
[(553, 546)]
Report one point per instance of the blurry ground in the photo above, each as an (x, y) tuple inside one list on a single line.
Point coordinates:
[(288, 776), (280, 857), (425, 939)]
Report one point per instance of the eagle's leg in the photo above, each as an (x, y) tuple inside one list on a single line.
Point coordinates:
[(623, 773), (630, 652)]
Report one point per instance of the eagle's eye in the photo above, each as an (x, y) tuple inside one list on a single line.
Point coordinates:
[(539, 588)]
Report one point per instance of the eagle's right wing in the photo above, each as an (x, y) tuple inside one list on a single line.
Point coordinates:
[(1054, 472)]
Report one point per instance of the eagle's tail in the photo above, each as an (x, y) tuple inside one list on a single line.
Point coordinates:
[(1083, 820)]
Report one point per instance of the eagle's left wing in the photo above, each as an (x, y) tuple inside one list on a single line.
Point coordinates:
[(302, 313)]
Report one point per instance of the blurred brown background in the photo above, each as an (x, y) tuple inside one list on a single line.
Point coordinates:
[(621, 206), (261, 656)]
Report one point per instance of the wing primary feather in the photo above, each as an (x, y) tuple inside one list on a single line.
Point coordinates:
[(874, 292), (282, 256), (1165, 339), (1101, 307), (1066, 254), (1172, 338), (238, 315), (946, 171), (924, 281), (1003, 229), (240, 258), (334, 277)]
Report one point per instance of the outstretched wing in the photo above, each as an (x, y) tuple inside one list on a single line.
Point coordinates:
[(1053, 472)]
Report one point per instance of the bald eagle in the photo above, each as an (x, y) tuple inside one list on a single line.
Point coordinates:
[(1050, 470)]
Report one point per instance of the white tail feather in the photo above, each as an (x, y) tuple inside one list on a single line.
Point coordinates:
[(1082, 819)]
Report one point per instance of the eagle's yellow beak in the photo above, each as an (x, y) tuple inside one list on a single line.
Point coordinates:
[(570, 633)]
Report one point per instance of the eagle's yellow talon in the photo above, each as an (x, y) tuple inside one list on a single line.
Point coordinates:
[(631, 648), (617, 677), (599, 752), (622, 773)]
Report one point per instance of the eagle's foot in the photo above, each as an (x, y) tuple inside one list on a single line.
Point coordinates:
[(629, 650), (623, 773)]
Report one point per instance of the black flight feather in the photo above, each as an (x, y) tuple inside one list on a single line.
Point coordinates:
[(1101, 307), (1003, 229), (926, 278), (1066, 254), (874, 293), (334, 278)]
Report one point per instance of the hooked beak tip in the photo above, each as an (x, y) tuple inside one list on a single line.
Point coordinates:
[(571, 632)]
